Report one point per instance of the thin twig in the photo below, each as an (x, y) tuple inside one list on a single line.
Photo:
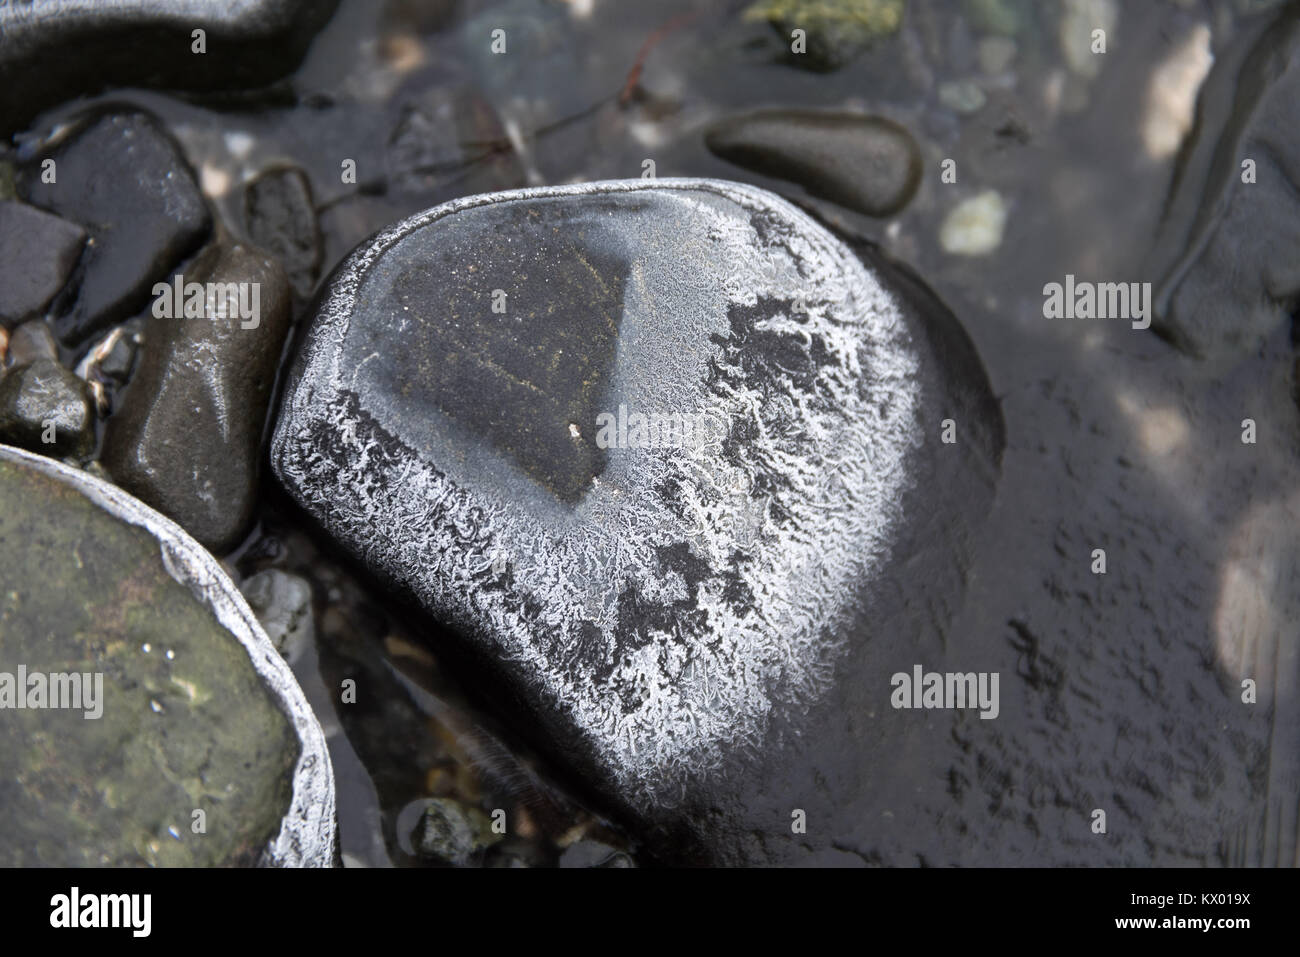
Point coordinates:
[(634, 75)]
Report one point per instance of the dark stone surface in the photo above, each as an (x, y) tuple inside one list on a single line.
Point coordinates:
[(695, 628), (281, 218), (45, 392), (53, 51), (864, 163), (122, 177), (481, 371), (185, 720), (186, 435), (1226, 255), (37, 254)]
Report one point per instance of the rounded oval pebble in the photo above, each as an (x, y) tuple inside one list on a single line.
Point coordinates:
[(864, 163)]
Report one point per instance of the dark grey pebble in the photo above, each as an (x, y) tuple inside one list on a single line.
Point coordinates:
[(281, 218), (122, 177), (186, 435), (45, 408), (864, 163), (37, 254)]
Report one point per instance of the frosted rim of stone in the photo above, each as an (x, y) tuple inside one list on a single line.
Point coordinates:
[(776, 662), (307, 835), (252, 15)]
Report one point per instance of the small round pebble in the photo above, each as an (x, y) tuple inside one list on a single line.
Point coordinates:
[(962, 96), (974, 227), (44, 407)]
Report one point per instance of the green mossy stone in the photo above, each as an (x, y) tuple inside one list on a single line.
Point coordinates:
[(187, 724), (836, 30)]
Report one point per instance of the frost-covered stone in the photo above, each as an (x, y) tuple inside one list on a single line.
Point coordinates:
[(676, 616)]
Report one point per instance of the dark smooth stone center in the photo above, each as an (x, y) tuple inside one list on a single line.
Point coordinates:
[(520, 374)]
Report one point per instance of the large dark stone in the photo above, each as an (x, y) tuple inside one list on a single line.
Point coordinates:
[(37, 254), (46, 408), (192, 710), (53, 50), (121, 176), (696, 624), (186, 437)]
